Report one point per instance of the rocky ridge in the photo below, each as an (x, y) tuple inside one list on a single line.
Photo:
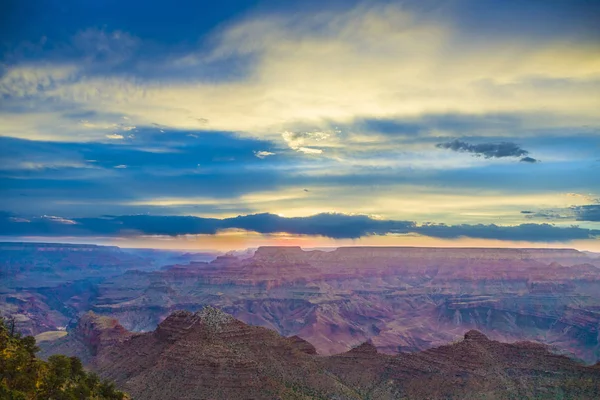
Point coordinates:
[(211, 355)]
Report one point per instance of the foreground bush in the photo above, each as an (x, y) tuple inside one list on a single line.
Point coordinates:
[(25, 377)]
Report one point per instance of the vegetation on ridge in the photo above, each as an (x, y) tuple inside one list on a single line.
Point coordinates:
[(25, 377)]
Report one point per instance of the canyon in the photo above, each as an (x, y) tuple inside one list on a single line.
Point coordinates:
[(398, 299)]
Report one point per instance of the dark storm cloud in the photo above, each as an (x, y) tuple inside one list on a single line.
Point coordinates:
[(337, 226), (487, 150)]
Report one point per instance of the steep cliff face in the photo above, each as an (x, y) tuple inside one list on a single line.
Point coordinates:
[(210, 354), (98, 332)]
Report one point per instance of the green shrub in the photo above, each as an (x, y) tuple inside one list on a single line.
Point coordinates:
[(25, 377)]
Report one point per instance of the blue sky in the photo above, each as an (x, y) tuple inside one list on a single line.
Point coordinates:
[(386, 122)]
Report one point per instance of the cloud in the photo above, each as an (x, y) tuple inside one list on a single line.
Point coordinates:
[(550, 215), (332, 225), (529, 160), (59, 220), (522, 232), (263, 154), (170, 182), (396, 79), (371, 61), (298, 140), (587, 213), (33, 80), (309, 150), (114, 136), (487, 150)]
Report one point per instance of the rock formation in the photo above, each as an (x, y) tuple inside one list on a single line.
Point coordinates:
[(403, 299), (211, 355)]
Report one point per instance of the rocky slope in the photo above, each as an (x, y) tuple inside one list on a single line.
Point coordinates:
[(211, 355), (207, 354)]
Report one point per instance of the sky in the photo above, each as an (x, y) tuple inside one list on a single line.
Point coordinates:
[(232, 124)]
